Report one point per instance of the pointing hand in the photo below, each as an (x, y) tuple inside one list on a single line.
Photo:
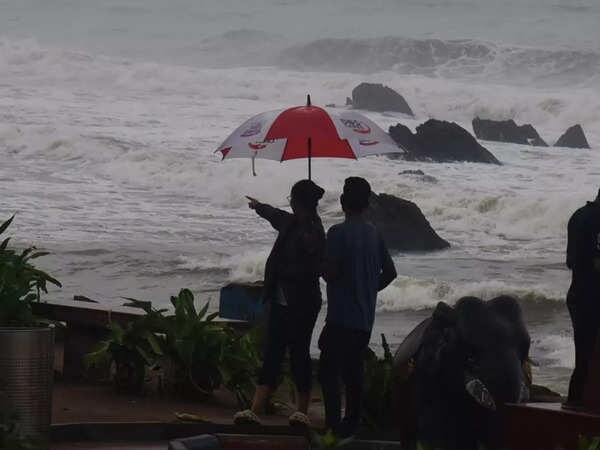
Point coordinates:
[(252, 202)]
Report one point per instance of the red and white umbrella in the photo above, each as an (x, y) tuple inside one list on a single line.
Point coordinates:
[(307, 132)]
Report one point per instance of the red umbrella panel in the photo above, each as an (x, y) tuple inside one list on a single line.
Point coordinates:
[(307, 132)]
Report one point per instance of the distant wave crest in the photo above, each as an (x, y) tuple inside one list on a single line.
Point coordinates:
[(442, 58)]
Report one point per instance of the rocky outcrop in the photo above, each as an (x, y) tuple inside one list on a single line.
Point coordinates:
[(440, 141), (507, 131), (377, 97), (402, 135), (412, 172), (419, 175), (574, 137), (402, 224)]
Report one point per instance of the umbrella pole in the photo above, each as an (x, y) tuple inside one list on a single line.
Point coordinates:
[(309, 158), (309, 143), (253, 169)]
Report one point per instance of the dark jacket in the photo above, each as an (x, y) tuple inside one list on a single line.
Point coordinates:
[(583, 248), (295, 259)]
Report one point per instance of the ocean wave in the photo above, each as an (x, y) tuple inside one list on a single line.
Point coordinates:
[(555, 349), (411, 293), (241, 47), (443, 58), (459, 59)]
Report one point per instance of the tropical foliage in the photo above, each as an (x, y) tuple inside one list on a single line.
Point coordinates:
[(197, 353), (21, 283), (330, 441), (208, 353), (377, 394), (589, 442), (131, 349)]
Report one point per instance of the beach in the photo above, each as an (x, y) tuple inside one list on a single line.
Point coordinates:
[(110, 114)]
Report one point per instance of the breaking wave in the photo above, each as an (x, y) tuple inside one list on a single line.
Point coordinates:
[(444, 59)]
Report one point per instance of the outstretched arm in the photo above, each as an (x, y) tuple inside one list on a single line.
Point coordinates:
[(278, 218)]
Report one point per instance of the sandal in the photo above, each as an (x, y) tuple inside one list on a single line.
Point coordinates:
[(246, 417), (299, 419)]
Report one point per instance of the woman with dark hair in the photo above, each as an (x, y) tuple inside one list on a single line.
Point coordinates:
[(293, 294)]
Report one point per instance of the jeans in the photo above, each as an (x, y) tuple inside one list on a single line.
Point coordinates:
[(342, 358)]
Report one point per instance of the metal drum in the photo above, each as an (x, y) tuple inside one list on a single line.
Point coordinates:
[(26, 374)]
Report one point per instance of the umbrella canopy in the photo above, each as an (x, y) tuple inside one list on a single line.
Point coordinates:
[(307, 132)]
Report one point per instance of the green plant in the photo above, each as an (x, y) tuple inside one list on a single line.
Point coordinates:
[(194, 344), (329, 440), (377, 396), (20, 283), (589, 442), (131, 349), (210, 354), (240, 363), (196, 352)]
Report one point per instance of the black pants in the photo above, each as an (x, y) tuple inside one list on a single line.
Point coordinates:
[(342, 358), (586, 324), (288, 329)]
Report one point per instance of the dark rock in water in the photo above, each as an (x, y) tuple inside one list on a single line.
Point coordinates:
[(532, 136), (330, 105), (507, 131), (402, 224), (348, 101), (405, 138), (377, 97), (420, 175), (440, 141), (412, 172), (574, 137)]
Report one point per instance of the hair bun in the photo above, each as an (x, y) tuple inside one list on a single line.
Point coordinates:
[(320, 192), (308, 193)]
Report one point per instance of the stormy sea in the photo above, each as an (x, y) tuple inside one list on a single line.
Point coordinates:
[(110, 112)]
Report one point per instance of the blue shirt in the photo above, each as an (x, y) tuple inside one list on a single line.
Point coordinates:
[(364, 267)]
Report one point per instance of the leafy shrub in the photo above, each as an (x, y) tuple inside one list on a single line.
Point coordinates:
[(131, 350), (197, 353), (377, 394), (194, 344), (20, 283), (330, 441), (210, 354)]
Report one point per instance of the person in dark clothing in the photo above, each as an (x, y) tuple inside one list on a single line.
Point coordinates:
[(293, 294), (583, 298), (357, 266)]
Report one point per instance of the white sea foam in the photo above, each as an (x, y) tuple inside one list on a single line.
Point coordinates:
[(557, 349), (107, 133)]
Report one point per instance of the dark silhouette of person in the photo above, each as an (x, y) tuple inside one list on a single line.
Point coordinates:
[(583, 298), (357, 265), (293, 294)]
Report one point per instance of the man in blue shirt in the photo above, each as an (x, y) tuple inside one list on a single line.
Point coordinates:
[(357, 266)]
